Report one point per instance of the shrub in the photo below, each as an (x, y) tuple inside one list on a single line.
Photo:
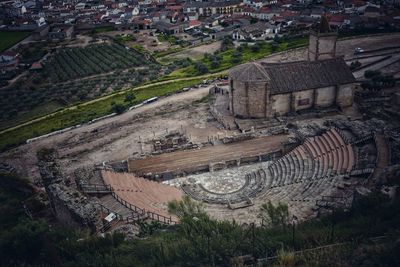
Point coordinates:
[(255, 48), (355, 64), (371, 73), (117, 108), (201, 68), (215, 64), (275, 215)]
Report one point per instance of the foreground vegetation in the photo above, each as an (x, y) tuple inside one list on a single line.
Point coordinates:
[(88, 111), (200, 240), (8, 39)]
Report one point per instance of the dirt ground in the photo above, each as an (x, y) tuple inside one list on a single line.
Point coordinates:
[(145, 38), (194, 53), (116, 138), (180, 160)]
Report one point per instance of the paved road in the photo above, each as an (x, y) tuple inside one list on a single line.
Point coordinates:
[(359, 74)]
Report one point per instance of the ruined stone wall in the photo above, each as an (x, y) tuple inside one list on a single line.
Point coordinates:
[(312, 47), (302, 100), (327, 47), (71, 208), (325, 97), (248, 99), (322, 46), (239, 98), (280, 104), (345, 95), (257, 99)]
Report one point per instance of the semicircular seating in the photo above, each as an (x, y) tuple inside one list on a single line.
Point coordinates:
[(302, 173)]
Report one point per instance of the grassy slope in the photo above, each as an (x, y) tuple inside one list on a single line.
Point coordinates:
[(42, 110), (8, 39)]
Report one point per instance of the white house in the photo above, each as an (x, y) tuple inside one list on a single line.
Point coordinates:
[(257, 31)]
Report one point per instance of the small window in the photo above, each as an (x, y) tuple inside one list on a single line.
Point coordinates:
[(303, 102)]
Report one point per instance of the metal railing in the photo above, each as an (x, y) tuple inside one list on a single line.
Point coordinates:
[(134, 208), (137, 212), (142, 212), (95, 188)]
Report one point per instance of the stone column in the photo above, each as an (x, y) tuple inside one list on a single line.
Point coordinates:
[(231, 97), (336, 94), (266, 100), (314, 98), (292, 99), (246, 86)]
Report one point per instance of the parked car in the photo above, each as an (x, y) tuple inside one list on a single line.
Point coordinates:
[(358, 50)]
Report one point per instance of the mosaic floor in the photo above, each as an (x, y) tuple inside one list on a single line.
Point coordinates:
[(222, 181)]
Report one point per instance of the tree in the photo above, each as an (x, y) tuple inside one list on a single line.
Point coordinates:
[(201, 68), (275, 215), (117, 108), (253, 20), (274, 46), (130, 96), (186, 208), (255, 48), (371, 73), (355, 64), (324, 26), (215, 63), (236, 57), (227, 42)]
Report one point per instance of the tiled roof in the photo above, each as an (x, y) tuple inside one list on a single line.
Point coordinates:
[(303, 75), (249, 72), (295, 76)]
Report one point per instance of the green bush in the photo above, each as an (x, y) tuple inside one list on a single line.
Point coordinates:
[(117, 108), (368, 74)]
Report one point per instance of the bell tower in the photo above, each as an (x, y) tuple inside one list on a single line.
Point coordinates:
[(322, 43)]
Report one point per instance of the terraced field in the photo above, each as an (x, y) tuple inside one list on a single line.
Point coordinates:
[(73, 75), (73, 63)]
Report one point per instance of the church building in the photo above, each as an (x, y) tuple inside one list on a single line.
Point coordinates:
[(265, 90)]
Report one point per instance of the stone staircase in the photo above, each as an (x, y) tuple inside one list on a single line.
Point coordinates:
[(109, 202)]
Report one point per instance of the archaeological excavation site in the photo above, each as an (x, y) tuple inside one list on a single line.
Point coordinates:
[(298, 127)]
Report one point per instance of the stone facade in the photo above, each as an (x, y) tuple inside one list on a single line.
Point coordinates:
[(322, 46), (250, 102), (255, 99), (269, 89)]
